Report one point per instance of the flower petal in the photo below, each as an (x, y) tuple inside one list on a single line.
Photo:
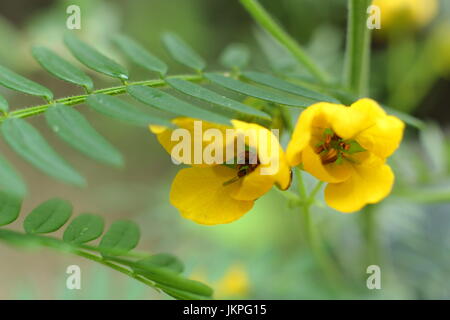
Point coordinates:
[(270, 154), (311, 122), (196, 134), (370, 183), (350, 121), (384, 137), (200, 195), (253, 186)]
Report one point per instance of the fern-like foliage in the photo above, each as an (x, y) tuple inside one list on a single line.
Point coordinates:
[(72, 127), (115, 249)]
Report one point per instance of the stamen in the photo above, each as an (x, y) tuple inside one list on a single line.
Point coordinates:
[(334, 149), (251, 162)]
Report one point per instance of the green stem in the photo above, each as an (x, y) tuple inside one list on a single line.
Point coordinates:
[(357, 53), (116, 267), (268, 23), (76, 100), (314, 191), (371, 234), (323, 259)]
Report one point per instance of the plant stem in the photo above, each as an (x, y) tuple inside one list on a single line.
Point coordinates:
[(373, 252), (76, 100), (269, 24), (357, 53), (116, 267), (314, 243)]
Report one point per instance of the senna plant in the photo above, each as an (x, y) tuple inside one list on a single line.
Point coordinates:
[(269, 99), (115, 249)]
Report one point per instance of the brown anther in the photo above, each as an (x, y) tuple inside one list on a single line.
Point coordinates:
[(319, 149), (344, 146), (330, 157)]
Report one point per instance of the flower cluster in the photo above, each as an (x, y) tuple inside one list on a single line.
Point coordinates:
[(346, 147)]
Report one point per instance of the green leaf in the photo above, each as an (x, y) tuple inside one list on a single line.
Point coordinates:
[(182, 53), (433, 142), (31, 146), (165, 260), (73, 128), (170, 278), (139, 55), (181, 294), (164, 101), (60, 68), (93, 59), (253, 91), (121, 237), (4, 107), (10, 180), (280, 84), (121, 110), (236, 55), (48, 216), (9, 208), (232, 108), (84, 228), (12, 80)]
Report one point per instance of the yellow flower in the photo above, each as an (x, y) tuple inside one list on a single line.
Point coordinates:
[(234, 283), (223, 190), (409, 13), (347, 147)]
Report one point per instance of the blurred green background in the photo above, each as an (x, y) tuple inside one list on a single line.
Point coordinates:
[(263, 255)]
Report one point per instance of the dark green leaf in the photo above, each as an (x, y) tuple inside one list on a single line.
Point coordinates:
[(4, 107), (139, 55), (165, 260), (29, 144), (94, 59), (171, 279), (48, 216), (229, 107), (72, 127), (60, 68), (280, 84), (235, 55), (181, 294), (182, 53), (257, 92), (164, 101), (84, 228), (12, 80), (119, 109), (10, 180), (121, 237), (9, 208)]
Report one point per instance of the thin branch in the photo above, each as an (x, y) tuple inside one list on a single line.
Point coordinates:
[(269, 24), (76, 100)]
